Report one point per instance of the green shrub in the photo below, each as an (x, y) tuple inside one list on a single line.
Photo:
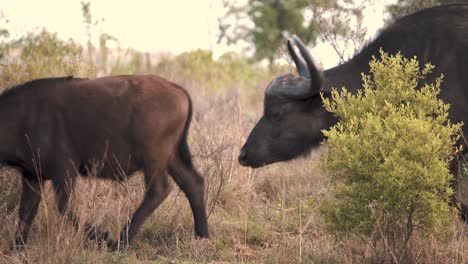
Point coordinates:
[(388, 156), (132, 62), (199, 68), (38, 55)]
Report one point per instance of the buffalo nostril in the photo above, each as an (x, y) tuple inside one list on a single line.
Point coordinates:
[(243, 157)]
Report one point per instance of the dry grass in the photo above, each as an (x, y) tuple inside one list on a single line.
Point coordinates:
[(266, 215)]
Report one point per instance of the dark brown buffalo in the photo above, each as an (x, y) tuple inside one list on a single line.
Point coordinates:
[(56, 129), (293, 115)]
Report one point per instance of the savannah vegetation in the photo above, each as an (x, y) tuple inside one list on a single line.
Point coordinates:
[(281, 213), (387, 157)]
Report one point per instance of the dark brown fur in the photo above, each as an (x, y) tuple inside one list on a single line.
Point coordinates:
[(54, 129)]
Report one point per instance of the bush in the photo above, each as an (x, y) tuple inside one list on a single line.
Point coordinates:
[(200, 69), (38, 55), (388, 157)]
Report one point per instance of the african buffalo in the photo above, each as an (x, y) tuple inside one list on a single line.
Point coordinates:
[(293, 115), (56, 128)]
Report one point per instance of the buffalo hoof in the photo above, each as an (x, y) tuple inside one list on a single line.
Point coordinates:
[(112, 244), (18, 245), (115, 245)]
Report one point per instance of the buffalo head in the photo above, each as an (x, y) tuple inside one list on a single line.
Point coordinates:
[(293, 116)]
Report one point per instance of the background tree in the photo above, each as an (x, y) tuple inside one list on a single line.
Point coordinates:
[(88, 23), (340, 24), (265, 24), (98, 58), (404, 7)]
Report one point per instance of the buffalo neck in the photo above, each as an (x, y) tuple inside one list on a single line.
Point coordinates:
[(346, 75)]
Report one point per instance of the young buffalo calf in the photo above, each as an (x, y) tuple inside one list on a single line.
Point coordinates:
[(53, 129)]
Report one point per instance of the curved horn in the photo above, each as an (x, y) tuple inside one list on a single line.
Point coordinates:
[(300, 65), (315, 74)]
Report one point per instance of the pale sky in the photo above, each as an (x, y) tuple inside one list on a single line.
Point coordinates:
[(146, 25)]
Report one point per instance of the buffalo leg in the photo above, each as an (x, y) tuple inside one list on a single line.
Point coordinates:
[(30, 199), (64, 190), (462, 208), (192, 184), (157, 189)]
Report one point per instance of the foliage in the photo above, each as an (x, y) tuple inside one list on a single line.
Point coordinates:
[(404, 7), (270, 21), (97, 59), (230, 70), (340, 24), (38, 55), (131, 62), (4, 33), (104, 50), (388, 156)]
